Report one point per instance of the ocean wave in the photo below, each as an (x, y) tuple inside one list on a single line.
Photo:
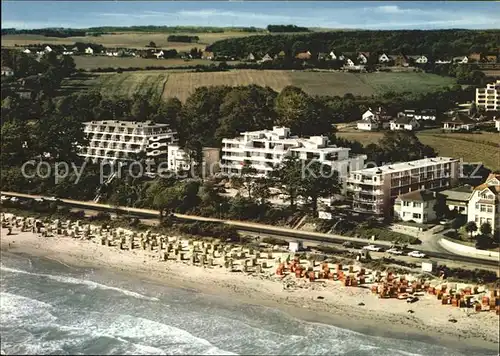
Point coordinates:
[(89, 283), (18, 308)]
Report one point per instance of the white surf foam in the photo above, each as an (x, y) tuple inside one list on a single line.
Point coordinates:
[(71, 280), (16, 308)]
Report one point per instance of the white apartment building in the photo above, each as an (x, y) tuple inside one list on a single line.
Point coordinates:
[(178, 159), (489, 98), (417, 206), (374, 190), (266, 149), (118, 140), (484, 204)]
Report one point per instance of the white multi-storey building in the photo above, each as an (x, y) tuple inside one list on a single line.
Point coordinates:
[(489, 98), (120, 140), (266, 149), (417, 206), (374, 190), (484, 203), (179, 160)]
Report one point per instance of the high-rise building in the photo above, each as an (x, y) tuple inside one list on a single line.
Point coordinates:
[(374, 190), (489, 98)]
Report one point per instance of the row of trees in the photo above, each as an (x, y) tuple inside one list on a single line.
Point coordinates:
[(433, 43)]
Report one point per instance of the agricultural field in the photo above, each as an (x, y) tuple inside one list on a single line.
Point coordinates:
[(475, 147), (182, 83), (126, 40), (93, 62)]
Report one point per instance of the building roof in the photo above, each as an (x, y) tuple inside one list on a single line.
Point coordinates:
[(126, 123), (460, 118), (462, 193), (403, 120), (404, 166), (494, 188), (419, 195)]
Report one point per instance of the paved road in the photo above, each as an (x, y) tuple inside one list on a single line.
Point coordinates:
[(262, 229)]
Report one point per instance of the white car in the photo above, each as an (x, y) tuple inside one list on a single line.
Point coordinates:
[(394, 251), (372, 248), (51, 198), (416, 254), (4, 198)]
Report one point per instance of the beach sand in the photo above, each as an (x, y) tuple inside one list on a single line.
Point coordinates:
[(429, 321)]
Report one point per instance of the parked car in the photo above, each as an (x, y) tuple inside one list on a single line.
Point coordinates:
[(372, 248), (394, 251), (4, 198), (416, 254), (51, 198)]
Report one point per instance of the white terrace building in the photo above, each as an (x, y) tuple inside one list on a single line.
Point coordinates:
[(119, 140), (179, 160), (266, 149), (489, 98), (484, 204), (374, 190)]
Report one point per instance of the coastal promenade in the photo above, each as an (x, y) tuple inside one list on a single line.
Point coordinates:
[(265, 229)]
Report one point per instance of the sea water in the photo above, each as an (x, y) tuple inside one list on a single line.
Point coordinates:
[(50, 308)]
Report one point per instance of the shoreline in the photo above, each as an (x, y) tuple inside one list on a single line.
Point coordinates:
[(339, 306)]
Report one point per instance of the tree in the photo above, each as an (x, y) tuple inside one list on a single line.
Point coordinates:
[(141, 109), (15, 143), (398, 146), (294, 109), (485, 229), (456, 224), (67, 65), (168, 112), (318, 180), (470, 227), (245, 180), (440, 208), (287, 177), (151, 44)]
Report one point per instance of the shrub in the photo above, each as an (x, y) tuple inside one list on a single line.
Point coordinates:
[(274, 241)]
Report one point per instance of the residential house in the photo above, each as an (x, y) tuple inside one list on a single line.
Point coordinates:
[(67, 53), (489, 98), (75, 49), (461, 60), (384, 58), (47, 49), (282, 54), (349, 63), (333, 55), (374, 190), (474, 57), (404, 122), (489, 59), (363, 57), (460, 121), (89, 50), (420, 59), (266, 58), (417, 206), (484, 204), (457, 199), (208, 55), (322, 56), (303, 55), (7, 72), (26, 51), (159, 55), (250, 57), (442, 61), (368, 122), (497, 124), (179, 160), (421, 115), (400, 60), (266, 149)]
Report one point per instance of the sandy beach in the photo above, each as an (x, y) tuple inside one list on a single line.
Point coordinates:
[(347, 307)]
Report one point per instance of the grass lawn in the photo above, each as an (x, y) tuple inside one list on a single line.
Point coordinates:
[(93, 62), (477, 147)]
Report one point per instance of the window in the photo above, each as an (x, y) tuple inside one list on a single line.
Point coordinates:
[(417, 216), (406, 203), (417, 205), (489, 208), (476, 219), (483, 208)]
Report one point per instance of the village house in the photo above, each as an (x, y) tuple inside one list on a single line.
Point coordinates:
[(333, 55), (425, 115), (26, 51), (67, 53), (89, 50), (474, 57), (461, 60), (384, 58), (7, 72), (417, 206), (489, 59), (159, 55), (303, 55), (420, 59), (349, 63), (400, 60), (266, 58), (497, 124), (460, 121), (484, 204), (404, 122), (47, 49), (373, 120), (207, 55), (457, 199), (363, 57), (250, 57), (442, 61)]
